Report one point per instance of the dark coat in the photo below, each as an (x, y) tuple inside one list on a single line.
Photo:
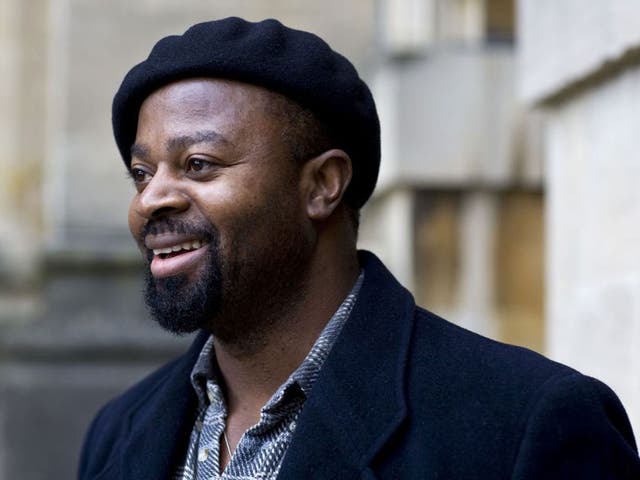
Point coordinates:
[(404, 394)]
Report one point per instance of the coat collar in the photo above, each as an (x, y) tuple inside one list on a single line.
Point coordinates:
[(358, 400), (162, 422)]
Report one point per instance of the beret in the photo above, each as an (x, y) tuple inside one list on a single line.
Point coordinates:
[(294, 63)]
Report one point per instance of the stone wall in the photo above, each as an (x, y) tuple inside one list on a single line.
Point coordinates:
[(580, 67), (594, 255), (566, 41)]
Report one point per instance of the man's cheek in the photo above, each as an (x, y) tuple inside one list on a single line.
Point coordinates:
[(136, 227)]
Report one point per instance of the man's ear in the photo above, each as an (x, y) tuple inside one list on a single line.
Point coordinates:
[(325, 178)]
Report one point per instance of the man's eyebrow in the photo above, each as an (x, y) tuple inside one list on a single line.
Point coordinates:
[(139, 151), (205, 136)]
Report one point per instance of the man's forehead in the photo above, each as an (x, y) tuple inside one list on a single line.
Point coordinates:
[(203, 96), (181, 142), (217, 112)]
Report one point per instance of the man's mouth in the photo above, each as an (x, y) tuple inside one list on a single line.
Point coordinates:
[(175, 254), (178, 249)]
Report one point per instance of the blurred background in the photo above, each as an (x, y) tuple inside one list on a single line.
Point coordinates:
[(508, 200)]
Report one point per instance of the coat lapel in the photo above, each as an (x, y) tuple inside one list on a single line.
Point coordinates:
[(160, 426), (358, 400)]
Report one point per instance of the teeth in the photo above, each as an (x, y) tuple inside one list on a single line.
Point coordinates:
[(176, 248)]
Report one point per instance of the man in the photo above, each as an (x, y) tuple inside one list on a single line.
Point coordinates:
[(252, 147)]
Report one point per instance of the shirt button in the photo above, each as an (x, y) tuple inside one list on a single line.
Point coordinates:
[(203, 454), (292, 427)]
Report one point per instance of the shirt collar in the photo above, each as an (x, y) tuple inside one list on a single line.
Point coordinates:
[(301, 381)]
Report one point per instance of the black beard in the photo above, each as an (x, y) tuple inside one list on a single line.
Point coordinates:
[(180, 305)]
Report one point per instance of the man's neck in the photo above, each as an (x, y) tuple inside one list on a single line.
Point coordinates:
[(251, 378)]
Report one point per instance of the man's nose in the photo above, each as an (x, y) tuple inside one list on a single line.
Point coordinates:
[(163, 195)]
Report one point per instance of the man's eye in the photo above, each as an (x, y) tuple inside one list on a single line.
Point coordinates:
[(197, 165), (139, 175)]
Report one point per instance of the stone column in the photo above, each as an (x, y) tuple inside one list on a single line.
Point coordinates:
[(580, 63), (22, 37)]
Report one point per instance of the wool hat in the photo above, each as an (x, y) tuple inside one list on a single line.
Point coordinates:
[(294, 63)]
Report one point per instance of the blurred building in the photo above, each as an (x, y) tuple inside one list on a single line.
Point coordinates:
[(458, 214)]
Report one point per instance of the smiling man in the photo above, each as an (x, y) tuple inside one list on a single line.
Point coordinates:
[(252, 147)]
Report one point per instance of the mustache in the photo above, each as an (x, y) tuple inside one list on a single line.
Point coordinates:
[(204, 230)]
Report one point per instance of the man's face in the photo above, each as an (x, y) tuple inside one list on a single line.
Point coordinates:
[(218, 211)]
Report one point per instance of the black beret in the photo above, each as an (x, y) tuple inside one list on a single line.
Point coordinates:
[(297, 64)]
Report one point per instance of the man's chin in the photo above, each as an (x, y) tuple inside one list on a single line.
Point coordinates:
[(175, 328), (179, 304)]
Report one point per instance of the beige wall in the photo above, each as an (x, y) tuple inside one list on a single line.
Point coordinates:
[(579, 65), (563, 41), (594, 235), (23, 27)]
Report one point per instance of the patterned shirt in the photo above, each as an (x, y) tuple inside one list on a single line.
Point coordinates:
[(261, 448)]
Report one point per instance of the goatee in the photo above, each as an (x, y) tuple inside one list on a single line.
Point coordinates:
[(181, 304)]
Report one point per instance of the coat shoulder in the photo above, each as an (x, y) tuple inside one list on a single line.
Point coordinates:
[(496, 405), (472, 357), (110, 425)]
